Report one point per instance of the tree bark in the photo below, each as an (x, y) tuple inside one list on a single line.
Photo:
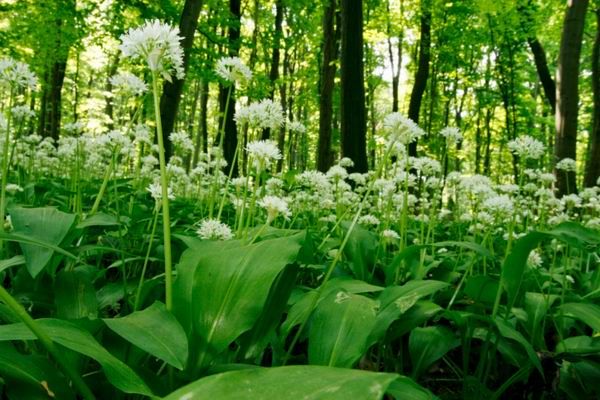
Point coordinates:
[(275, 57), (230, 140), (422, 74), (324, 154), (171, 96), (592, 168), (567, 92), (354, 144), (541, 66)]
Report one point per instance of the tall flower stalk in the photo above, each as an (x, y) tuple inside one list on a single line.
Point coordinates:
[(159, 45)]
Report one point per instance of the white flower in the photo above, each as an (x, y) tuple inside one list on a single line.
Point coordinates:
[(212, 229), (274, 206), (499, 205), (232, 69), (182, 141), (390, 234), (158, 45), (368, 220), (129, 83), (534, 260), (402, 129), (567, 165), (22, 113), (527, 147), (452, 135), (346, 163), (263, 152), (13, 188), (155, 190), (264, 114), (16, 74), (295, 126), (337, 172), (74, 127)]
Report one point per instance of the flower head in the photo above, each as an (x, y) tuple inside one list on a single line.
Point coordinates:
[(274, 206), (158, 44), (402, 129), (527, 147), (567, 165), (16, 74), (452, 135), (263, 152), (129, 83), (232, 69), (212, 229)]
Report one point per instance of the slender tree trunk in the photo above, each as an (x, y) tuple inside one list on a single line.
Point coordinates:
[(422, 74), (109, 107), (324, 154), (230, 140), (541, 65), (592, 168), (275, 57), (354, 143), (171, 96), (50, 110), (567, 91)]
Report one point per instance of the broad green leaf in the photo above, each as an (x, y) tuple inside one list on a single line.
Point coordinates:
[(230, 287), (156, 331), (536, 306), (81, 341), (74, 295), (35, 371), (427, 345), (360, 250), (405, 388), (295, 382), (98, 219), (507, 331), (587, 313), (47, 225), (579, 345), (339, 329), (418, 314), (301, 308), (12, 262), (396, 300)]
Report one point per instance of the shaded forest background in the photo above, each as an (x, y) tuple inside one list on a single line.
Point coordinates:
[(495, 69)]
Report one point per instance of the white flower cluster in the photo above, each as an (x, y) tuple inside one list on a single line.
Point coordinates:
[(158, 44), (22, 113), (232, 69), (212, 229), (16, 74), (274, 206), (567, 165), (129, 83), (402, 129), (262, 153), (182, 140), (451, 134), (527, 147), (260, 115)]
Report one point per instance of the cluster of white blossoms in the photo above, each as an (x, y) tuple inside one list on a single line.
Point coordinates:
[(16, 74), (155, 190), (401, 129), (274, 206), (263, 153), (22, 113), (128, 84), (157, 44), (232, 69), (527, 147), (296, 127), (182, 141), (567, 165), (451, 134), (212, 229), (265, 114)]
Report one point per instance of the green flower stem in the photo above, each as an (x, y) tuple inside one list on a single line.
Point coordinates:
[(47, 342), (5, 163), (138, 292), (107, 175), (164, 181)]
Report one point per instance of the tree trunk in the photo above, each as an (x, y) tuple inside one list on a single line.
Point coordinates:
[(324, 154), (567, 92), (354, 144), (171, 96), (592, 168), (50, 109), (230, 140), (541, 65), (275, 58), (416, 97)]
